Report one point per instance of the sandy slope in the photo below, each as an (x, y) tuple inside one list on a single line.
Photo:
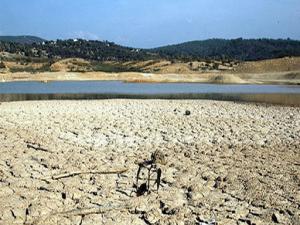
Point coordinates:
[(291, 77), (235, 163), (275, 71)]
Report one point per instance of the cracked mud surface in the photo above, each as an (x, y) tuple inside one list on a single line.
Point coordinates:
[(230, 162)]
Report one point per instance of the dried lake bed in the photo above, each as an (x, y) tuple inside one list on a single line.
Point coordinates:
[(235, 163)]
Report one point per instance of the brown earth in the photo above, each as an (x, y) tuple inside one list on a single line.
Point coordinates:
[(224, 78), (10, 65), (270, 66), (232, 163), (71, 64), (275, 71)]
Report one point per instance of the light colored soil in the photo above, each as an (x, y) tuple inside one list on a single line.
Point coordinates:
[(70, 64), (19, 66), (224, 78), (269, 66), (274, 71), (235, 163)]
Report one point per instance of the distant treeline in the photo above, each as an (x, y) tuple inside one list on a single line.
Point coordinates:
[(91, 50), (25, 39), (236, 49), (220, 49)]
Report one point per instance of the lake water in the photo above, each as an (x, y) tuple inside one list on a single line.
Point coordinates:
[(119, 87)]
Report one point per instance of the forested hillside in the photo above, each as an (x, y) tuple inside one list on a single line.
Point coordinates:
[(92, 50), (25, 39), (237, 49)]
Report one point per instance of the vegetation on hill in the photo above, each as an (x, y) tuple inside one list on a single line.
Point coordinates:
[(76, 48), (25, 39), (213, 49), (235, 49)]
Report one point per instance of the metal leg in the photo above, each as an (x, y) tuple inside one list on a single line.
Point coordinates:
[(137, 176), (149, 176), (158, 179)]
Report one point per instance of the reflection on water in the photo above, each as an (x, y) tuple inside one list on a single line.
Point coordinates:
[(22, 91), (119, 87), (282, 99)]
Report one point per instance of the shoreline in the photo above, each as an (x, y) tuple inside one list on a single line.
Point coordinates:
[(288, 83), (279, 78), (291, 99)]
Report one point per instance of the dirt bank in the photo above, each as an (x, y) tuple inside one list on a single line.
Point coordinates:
[(274, 71), (292, 77)]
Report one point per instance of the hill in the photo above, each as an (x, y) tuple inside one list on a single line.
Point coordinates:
[(76, 48), (237, 49), (212, 49), (26, 39)]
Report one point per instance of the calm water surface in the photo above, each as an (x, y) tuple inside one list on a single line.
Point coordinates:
[(119, 87)]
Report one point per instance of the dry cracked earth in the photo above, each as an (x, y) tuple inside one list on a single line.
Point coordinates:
[(227, 162)]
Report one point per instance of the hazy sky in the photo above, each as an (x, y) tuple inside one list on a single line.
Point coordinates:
[(149, 23)]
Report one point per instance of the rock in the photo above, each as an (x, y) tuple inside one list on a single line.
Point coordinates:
[(152, 217), (279, 218), (168, 209), (202, 221), (168, 176), (172, 200), (226, 221), (257, 212), (242, 212), (257, 221), (218, 181), (187, 113), (63, 195), (159, 157)]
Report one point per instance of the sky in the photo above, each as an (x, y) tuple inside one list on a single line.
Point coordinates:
[(150, 23)]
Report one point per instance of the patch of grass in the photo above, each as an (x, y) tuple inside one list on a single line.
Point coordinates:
[(112, 68), (31, 69)]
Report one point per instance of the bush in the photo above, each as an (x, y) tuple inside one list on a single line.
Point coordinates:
[(2, 65)]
